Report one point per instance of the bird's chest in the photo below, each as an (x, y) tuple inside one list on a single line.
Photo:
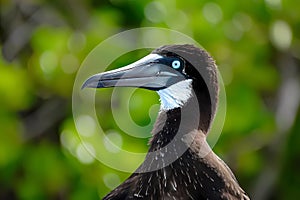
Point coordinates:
[(176, 181), (186, 178)]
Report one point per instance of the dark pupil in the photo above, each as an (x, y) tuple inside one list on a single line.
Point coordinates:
[(176, 64)]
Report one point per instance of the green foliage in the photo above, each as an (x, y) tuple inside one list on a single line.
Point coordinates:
[(255, 44)]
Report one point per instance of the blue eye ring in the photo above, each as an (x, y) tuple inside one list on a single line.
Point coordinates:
[(176, 64)]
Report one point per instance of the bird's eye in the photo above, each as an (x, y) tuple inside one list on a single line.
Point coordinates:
[(176, 64)]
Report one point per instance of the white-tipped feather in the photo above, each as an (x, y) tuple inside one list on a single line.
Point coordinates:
[(176, 95)]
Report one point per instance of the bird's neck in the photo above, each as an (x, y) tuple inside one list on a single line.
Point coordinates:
[(177, 123), (172, 130), (194, 114), (168, 143), (165, 129)]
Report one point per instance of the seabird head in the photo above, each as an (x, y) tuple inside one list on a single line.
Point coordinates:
[(176, 72)]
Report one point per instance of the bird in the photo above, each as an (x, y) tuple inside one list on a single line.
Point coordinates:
[(179, 164)]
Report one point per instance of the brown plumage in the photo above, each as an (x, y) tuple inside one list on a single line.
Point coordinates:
[(180, 164)]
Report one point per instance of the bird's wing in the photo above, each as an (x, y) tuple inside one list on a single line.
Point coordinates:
[(232, 188)]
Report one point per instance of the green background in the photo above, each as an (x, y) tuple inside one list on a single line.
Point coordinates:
[(256, 45)]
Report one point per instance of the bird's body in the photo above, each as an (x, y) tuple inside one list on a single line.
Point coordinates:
[(180, 163), (197, 174)]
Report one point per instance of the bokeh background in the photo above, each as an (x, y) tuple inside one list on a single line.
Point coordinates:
[(256, 45)]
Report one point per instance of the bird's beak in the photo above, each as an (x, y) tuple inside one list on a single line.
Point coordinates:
[(150, 72)]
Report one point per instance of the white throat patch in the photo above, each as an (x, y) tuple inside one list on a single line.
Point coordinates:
[(176, 95)]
